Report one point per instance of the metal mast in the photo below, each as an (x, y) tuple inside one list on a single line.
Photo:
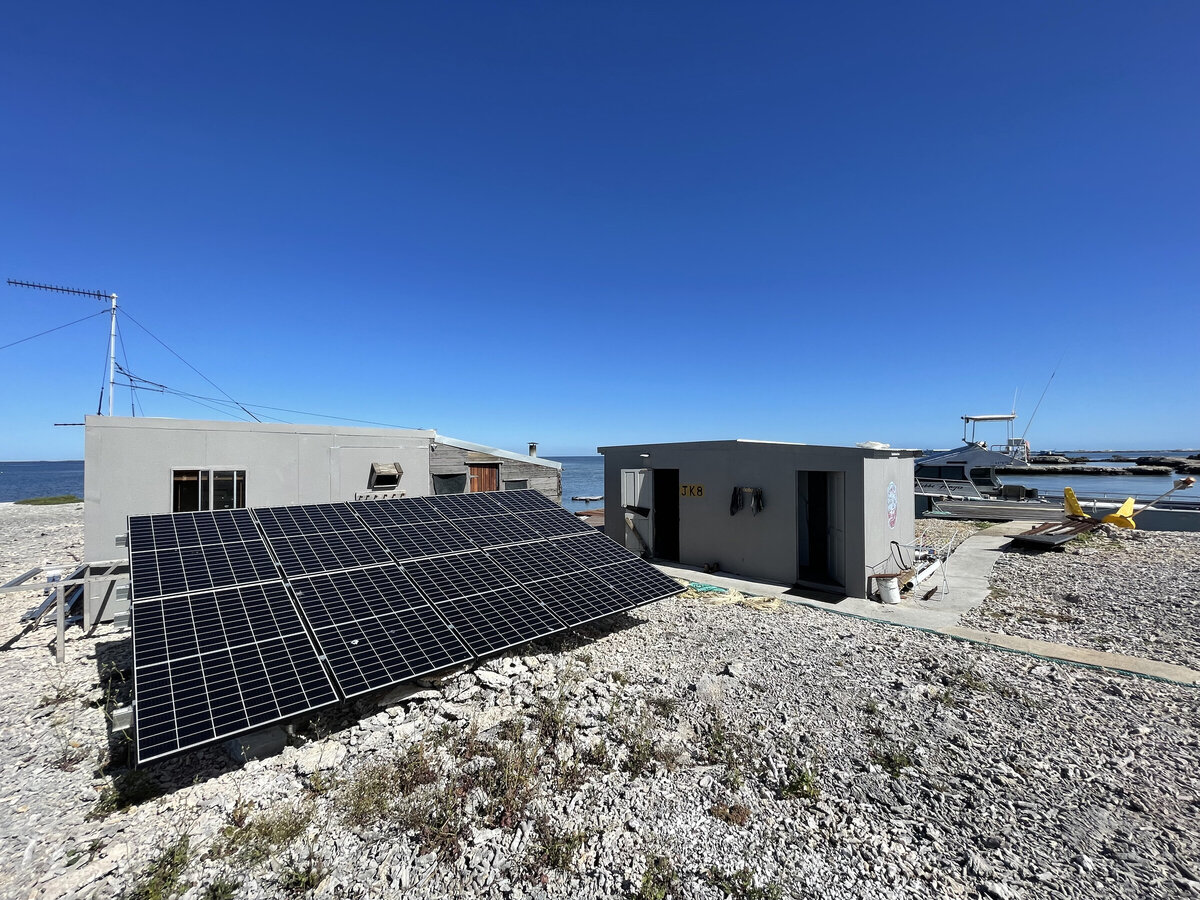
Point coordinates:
[(112, 331)]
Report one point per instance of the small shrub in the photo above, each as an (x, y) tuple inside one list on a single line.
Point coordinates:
[(373, 791), (222, 888), (735, 814), (892, 758), (550, 717), (740, 885), (262, 835), (660, 880), (164, 875), (596, 755), (302, 874), (799, 781), (553, 850), (438, 820), (509, 783), (664, 706)]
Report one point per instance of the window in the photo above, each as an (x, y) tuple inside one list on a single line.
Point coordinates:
[(516, 484), (450, 484), (384, 476), (195, 490)]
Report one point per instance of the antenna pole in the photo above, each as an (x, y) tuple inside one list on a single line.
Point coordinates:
[(112, 353)]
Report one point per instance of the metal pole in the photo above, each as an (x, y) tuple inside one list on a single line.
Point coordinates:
[(62, 624), (112, 352)]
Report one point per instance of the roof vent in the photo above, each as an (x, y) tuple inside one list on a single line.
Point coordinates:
[(385, 476)]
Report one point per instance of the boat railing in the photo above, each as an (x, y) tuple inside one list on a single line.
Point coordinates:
[(947, 487)]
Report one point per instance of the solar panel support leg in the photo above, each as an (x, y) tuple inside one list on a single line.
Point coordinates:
[(61, 650)]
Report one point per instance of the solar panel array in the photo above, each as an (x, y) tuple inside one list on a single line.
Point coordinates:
[(242, 618)]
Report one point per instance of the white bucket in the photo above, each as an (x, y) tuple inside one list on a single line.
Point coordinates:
[(889, 590)]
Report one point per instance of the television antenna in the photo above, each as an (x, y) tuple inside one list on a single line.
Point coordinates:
[(112, 330)]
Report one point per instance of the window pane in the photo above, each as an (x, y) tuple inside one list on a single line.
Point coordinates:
[(240, 477), (224, 491), (204, 496), (450, 484), (185, 491)]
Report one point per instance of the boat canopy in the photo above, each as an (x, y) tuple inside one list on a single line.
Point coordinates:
[(971, 456)]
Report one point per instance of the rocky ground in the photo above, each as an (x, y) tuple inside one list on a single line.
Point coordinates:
[(1135, 592), (688, 750)]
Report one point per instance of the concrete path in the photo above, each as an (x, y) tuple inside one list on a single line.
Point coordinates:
[(964, 587)]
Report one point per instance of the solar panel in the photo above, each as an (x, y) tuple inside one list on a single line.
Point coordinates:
[(214, 664), (450, 577), (497, 620), (375, 628), (578, 597), (465, 506), (490, 531), (556, 523), (233, 632), (429, 539), (533, 562), (523, 501), (190, 552), (400, 511), (321, 538)]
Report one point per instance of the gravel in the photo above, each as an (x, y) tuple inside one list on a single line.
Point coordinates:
[(690, 749), (1133, 592)]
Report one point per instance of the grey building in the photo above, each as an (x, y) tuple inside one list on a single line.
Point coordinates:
[(143, 466), (821, 517)]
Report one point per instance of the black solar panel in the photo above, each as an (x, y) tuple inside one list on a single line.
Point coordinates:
[(375, 628), (322, 538), (578, 597), (196, 551), (466, 506), (638, 581), (594, 549), (533, 562), (430, 539), (390, 590), (490, 531), (556, 523), (450, 577), (496, 620), (211, 665), (401, 511), (523, 501)]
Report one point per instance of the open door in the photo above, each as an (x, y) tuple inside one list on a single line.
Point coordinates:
[(666, 514), (821, 529)]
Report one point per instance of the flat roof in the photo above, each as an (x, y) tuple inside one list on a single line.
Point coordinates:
[(736, 443)]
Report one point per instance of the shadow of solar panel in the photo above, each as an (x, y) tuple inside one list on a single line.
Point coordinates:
[(556, 523), (449, 577), (578, 597), (594, 549), (639, 581), (466, 506), (533, 562), (428, 539), (210, 666), (375, 629), (401, 511), (524, 501), (500, 619), (491, 531)]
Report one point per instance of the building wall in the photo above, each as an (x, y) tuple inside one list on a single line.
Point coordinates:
[(766, 545), (128, 464), (448, 459)]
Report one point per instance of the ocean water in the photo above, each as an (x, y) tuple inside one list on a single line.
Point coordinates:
[(24, 480), (582, 476)]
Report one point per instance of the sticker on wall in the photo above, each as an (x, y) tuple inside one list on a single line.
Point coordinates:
[(893, 504)]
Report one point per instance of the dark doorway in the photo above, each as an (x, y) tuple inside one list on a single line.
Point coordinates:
[(666, 514), (819, 530)]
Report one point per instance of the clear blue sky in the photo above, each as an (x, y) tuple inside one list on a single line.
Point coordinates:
[(599, 223)]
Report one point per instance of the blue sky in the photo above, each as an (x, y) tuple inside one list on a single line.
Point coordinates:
[(589, 224)]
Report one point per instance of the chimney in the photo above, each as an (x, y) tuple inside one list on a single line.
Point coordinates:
[(532, 448)]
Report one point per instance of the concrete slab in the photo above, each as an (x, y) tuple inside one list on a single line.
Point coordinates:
[(965, 586)]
